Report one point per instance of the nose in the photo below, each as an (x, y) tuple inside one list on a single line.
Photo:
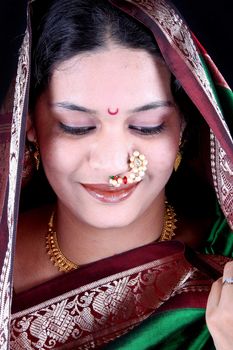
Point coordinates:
[(110, 156)]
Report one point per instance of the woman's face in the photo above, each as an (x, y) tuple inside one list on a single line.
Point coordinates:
[(81, 144)]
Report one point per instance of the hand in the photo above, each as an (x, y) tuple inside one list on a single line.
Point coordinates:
[(219, 312)]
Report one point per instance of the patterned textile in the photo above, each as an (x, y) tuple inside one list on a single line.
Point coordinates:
[(97, 312), (188, 62), (12, 130)]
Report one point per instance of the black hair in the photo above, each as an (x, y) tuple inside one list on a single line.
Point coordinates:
[(71, 27)]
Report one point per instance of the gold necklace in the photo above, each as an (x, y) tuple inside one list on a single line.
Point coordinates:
[(63, 264), (56, 256), (169, 223)]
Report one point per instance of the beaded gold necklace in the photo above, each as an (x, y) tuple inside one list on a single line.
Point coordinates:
[(56, 256), (64, 264), (169, 223)]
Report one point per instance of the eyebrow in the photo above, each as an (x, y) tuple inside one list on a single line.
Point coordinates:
[(73, 107), (153, 105)]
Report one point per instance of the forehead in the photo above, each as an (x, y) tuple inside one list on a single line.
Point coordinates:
[(115, 75)]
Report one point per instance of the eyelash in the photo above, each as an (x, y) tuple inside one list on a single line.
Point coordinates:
[(76, 131), (146, 131)]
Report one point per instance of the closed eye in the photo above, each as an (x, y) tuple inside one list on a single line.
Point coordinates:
[(153, 130), (73, 130)]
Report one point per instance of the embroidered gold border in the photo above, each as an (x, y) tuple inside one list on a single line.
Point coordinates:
[(19, 100), (102, 310)]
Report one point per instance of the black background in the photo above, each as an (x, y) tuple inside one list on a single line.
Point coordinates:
[(211, 21), (12, 26)]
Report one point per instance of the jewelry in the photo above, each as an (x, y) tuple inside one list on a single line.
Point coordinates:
[(56, 256), (137, 165), (177, 161), (65, 265), (31, 161), (169, 223), (28, 164), (179, 155), (113, 113), (228, 280), (36, 155)]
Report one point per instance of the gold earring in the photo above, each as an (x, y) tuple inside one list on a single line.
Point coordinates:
[(36, 155), (28, 164), (177, 161)]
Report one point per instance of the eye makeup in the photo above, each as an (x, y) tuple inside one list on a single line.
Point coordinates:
[(145, 130), (74, 130)]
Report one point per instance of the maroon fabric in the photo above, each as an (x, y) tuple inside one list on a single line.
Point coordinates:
[(196, 299), (5, 127), (98, 270), (4, 235), (126, 289), (93, 272)]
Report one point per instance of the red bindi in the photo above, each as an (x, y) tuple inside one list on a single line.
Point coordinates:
[(113, 113)]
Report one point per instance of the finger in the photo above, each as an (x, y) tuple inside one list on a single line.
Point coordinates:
[(214, 296), (227, 287), (228, 270)]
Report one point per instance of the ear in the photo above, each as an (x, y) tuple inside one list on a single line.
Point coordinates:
[(30, 129)]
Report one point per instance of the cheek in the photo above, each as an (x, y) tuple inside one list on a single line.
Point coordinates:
[(162, 157), (59, 157)]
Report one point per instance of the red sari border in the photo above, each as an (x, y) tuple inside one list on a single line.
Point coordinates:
[(95, 271), (103, 300)]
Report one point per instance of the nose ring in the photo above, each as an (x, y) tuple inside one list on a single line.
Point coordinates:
[(137, 168)]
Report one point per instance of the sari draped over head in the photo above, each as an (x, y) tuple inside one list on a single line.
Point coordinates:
[(153, 296)]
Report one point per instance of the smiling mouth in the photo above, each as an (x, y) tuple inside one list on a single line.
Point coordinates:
[(109, 194)]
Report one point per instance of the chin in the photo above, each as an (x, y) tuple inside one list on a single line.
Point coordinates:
[(109, 223)]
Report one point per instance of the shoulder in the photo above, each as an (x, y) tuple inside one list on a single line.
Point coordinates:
[(32, 265)]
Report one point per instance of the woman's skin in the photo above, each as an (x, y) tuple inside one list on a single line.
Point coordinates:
[(219, 312), (81, 145)]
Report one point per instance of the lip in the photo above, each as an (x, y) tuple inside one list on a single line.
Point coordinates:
[(108, 194)]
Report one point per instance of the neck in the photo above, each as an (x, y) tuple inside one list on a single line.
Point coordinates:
[(83, 243)]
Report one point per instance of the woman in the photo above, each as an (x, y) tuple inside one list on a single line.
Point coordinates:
[(107, 124)]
